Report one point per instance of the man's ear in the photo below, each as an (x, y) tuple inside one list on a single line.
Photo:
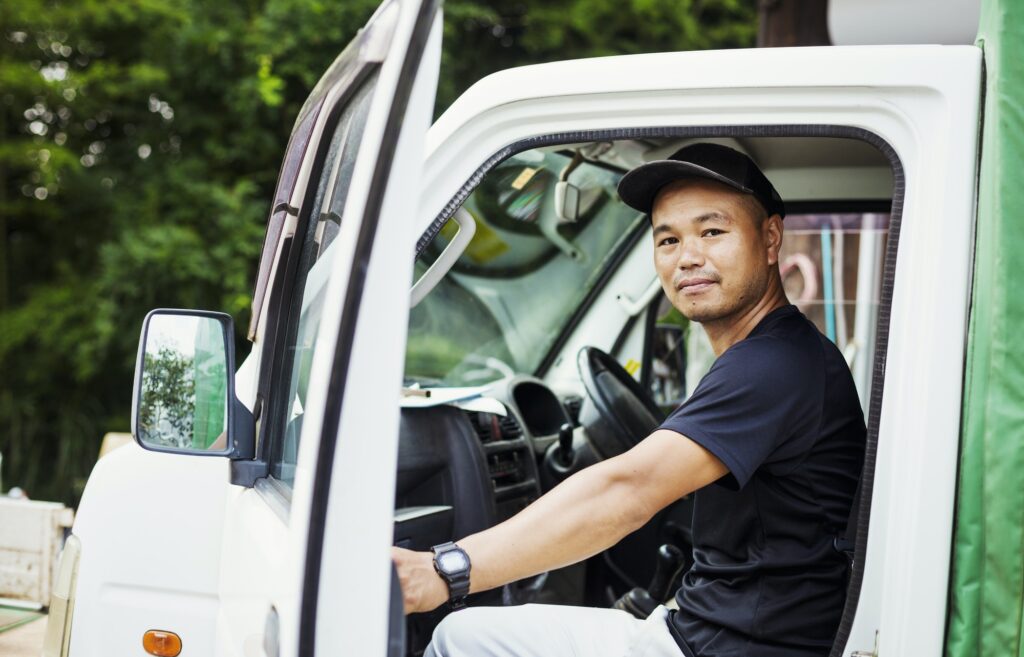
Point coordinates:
[(771, 231)]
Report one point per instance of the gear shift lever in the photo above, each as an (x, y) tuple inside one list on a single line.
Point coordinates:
[(642, 603), (562, 459), (670, 561), (565, 453)]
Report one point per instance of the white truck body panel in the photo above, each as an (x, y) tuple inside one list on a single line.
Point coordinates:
[(878, 22), (151, 549)]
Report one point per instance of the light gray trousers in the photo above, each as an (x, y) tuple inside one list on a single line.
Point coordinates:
[(552, 631)]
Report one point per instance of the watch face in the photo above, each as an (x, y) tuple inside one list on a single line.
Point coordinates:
[(452, 562)]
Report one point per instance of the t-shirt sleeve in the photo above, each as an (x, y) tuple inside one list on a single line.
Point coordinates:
[(750, 405)]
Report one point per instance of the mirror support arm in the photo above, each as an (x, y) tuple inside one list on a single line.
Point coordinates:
[(246, 473), (246, 466), (243, 430)]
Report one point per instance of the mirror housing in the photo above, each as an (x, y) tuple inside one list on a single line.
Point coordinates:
[(567, 202), (184, 397)]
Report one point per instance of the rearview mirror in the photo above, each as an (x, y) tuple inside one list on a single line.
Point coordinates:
[(184, 398)]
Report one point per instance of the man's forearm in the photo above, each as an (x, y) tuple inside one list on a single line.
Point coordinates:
[(585, 514)]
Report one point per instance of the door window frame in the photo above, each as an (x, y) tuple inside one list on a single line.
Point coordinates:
[(885, 294), (279, 399), (353, 72), (425, 27)]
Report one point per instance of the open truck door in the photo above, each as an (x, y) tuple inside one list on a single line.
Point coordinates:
[(224, 547)]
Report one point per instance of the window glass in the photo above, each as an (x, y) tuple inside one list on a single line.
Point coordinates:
[(832, 270), (831, 266), (666, 372), (530, 263), (311, 283)]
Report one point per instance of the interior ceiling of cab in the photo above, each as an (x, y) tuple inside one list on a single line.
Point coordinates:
[(801, 168)]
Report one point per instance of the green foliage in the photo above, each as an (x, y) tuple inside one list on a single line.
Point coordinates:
[(140, 144), (483, 37)]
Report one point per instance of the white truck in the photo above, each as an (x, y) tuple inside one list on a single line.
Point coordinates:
[(424, 297)]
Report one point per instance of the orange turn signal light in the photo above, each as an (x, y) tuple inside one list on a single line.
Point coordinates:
[(161, 643)]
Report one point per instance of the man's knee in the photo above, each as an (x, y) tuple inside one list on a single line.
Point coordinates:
[(532, 630), (458, 634)]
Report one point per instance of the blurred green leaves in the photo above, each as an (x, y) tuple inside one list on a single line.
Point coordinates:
[(140, 145)]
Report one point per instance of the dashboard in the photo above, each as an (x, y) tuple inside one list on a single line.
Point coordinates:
[(461, 471)]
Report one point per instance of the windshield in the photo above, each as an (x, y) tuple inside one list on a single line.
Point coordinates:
[(547, 223)]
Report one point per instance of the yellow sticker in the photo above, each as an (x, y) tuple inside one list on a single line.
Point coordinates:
[(449, 230), (523, 178), (632, 367), (486, 244)]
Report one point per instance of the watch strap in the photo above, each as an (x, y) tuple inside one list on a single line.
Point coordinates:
[(458, 582)]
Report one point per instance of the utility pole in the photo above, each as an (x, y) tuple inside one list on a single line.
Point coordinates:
[(792, 23)]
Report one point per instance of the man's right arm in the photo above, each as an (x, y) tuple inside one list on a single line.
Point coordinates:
[(582, 516)]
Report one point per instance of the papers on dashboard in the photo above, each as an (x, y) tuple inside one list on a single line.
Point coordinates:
[(483, 405), (468, 398)]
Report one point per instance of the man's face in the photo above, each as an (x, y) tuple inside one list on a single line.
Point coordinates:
[(713, 253)]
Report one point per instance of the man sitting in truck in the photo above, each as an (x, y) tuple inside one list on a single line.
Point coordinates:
[(772, 441)]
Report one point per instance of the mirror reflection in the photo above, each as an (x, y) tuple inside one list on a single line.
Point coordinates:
[(183, 396)]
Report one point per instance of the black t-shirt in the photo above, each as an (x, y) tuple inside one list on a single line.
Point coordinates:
[(780, 410)]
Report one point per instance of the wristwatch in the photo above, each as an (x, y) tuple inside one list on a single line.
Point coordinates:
[(452, 563)]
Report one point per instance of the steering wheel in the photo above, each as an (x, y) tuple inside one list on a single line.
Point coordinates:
[(619, 412)]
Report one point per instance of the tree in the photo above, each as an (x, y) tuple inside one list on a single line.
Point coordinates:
[(168, 400), (786, 23), (140, 145)]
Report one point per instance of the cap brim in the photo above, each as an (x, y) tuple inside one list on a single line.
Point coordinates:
[(639, 187)]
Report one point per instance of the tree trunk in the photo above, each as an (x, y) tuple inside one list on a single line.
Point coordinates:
[(792, 23)]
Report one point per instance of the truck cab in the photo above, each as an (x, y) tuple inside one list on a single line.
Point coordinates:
[(448, 320)]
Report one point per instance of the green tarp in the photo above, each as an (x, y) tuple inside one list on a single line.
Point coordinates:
[(987, 584)]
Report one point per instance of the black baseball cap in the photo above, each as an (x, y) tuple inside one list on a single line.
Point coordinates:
[(639, 187)]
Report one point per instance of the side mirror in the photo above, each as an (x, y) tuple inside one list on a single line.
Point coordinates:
[(184, 399)]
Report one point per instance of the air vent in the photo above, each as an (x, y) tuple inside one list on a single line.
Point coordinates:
[(490, 427), (485, 426), (510, 429)]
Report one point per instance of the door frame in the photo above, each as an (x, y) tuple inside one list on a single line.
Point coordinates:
[(364, 302), (890, 96)]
